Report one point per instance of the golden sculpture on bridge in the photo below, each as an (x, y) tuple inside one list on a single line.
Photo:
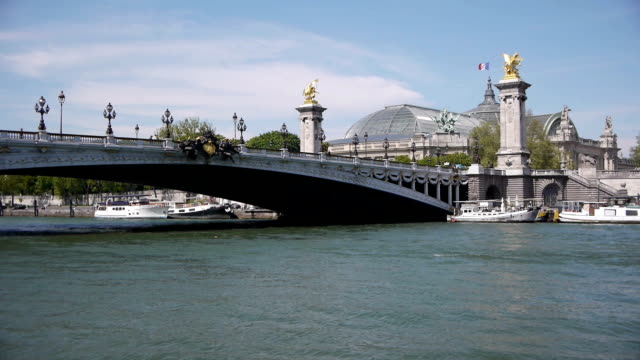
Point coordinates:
[(310, 92), (510, 66)]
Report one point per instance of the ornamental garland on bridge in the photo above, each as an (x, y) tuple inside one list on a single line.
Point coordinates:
[(208, 145)]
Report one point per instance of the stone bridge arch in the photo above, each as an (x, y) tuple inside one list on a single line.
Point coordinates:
[(550, 191)]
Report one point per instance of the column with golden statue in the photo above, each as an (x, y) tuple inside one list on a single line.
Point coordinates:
[(513, 155), (311, 134)]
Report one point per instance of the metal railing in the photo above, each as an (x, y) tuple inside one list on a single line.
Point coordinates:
[(285, 154)]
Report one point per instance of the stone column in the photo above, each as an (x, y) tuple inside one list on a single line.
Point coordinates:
[(513, 155), (310, 125)]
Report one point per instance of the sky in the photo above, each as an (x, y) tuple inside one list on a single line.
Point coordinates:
[(212, 58)]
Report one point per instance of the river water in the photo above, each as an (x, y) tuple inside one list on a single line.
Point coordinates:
[(106, 289)]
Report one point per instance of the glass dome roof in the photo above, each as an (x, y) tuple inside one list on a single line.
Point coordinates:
[(406, 121)]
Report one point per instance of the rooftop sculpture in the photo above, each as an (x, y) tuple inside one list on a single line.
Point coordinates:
[(446, 122)]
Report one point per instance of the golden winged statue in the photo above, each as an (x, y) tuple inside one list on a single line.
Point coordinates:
[(310, 93), (510, 66)]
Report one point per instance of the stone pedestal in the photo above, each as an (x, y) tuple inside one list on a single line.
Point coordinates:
[(609, 142), (513, 155), (310, 125)]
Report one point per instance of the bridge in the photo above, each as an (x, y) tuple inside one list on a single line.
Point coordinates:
[(303, 187)]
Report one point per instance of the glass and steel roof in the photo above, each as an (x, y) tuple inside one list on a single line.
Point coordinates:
[(405, 121)]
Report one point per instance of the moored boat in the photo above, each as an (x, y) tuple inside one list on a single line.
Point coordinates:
[(493, 211), (130, 207), (594, 212), (199, 210)]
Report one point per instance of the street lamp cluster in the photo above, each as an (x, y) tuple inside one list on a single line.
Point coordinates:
[(284, 133)]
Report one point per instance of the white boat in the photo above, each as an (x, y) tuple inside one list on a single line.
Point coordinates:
[(130, 207), (593, 212), (493, 211), (199, 210)]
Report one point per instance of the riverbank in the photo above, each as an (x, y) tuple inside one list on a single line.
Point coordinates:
[(88, 211), (54, 211)]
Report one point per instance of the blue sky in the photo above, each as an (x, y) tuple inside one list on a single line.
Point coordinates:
[(213, 58)]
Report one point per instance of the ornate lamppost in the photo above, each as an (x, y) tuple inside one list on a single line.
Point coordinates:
[(167, 119), (61, 99), (322, 137), (366, 137), (355, 141), (235, 123), (438, 153), (40, 108), (109, 114), (413, 151), (242, 127), (137, 129), (385, 145), (284, 132)]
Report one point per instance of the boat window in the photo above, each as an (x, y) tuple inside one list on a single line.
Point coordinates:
[(181, 210), (609, 212), (192, 209), (632, 212)]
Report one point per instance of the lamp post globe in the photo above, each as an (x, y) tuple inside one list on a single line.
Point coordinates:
[(42, 109), (355, 141), (242, 127), (284, 132), (235, 124), (109, 114), (61, 99), (167, 119)]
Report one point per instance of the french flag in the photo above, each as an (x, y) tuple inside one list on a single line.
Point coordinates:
[(483, 67)]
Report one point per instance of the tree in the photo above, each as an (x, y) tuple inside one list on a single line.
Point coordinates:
[(488, 135), (457, 158), (544, 153), (189, 128), (273, 140), (635, 152)]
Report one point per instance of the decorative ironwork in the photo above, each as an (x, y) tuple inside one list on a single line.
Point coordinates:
[(285, 133), (355, 141), (61, 99), (109, 114), (242, 127), (235, 124), (167, 119), (208, 145), (366, 137), (42, 109)]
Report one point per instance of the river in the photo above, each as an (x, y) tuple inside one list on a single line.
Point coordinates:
[(82, 288)]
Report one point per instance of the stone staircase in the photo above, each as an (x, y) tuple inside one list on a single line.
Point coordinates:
[(581, 188)]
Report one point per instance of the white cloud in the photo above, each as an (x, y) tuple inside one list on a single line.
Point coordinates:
[(259, 74)]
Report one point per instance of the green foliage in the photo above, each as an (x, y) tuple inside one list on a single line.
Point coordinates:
[(456, 158), (274, 141), (635, 152), (402, 159), (544, 153), (488, 135), (189, 128), (428, 161)]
